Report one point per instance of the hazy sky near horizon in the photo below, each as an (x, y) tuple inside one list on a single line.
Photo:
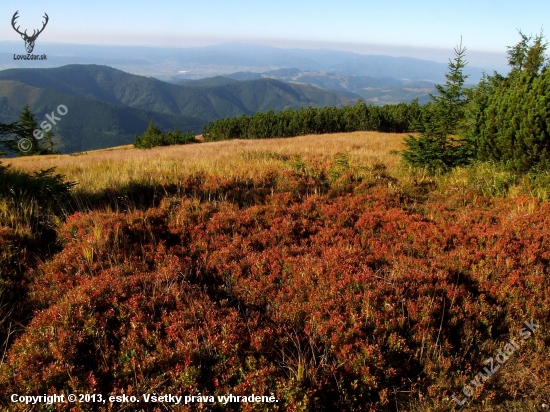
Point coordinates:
[(356, 25)]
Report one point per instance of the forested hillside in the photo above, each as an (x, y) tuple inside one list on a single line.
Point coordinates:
[(89, 124), (212, 102), (108, 107)]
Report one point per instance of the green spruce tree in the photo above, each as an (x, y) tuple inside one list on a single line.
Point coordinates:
[(527, 56), (28, 124), (24, 141), (438, 147), (150, 138)]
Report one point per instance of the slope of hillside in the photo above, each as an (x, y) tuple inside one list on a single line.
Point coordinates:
[(89, 123), (211, 102), (108, 107)]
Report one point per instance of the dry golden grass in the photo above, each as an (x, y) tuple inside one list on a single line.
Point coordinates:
[(115, 167)]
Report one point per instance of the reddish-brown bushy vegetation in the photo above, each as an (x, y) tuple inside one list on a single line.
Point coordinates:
[(331, 290)]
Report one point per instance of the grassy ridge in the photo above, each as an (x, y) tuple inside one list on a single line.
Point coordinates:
[(316, 268)]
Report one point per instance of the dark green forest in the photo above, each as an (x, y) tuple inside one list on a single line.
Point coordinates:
[(398, 118)]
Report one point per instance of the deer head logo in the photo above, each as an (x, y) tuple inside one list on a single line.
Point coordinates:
[(29, 40)]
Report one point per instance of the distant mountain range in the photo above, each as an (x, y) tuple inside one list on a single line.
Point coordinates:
[(374, 90), (107, 107), (223, 59)]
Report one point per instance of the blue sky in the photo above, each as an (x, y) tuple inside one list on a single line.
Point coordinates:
[(362, 26)]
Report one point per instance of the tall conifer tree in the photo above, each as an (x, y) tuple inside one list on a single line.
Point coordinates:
[(24, 129), (436, 148)]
